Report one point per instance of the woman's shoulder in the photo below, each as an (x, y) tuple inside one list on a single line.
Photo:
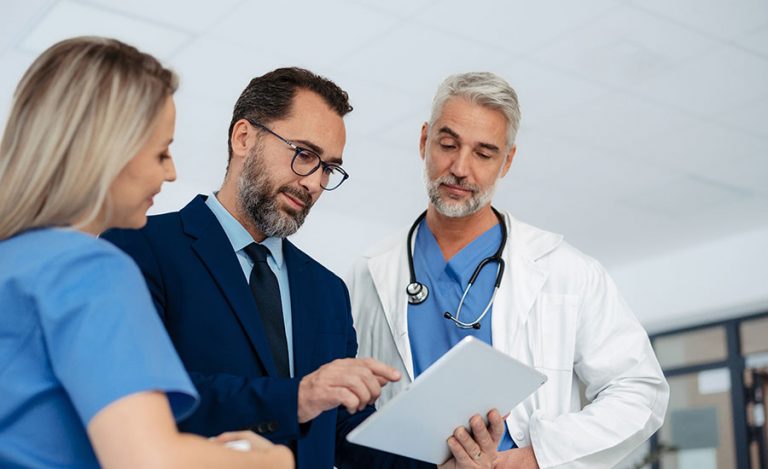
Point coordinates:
[(49, 248)]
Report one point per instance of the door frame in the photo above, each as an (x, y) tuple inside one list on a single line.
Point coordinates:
[(735, 362)]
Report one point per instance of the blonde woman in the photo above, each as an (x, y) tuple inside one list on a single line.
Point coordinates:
[(87, 375)]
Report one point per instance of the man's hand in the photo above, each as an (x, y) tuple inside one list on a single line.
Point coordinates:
[(478, 449), (518, 458), (351, 382)]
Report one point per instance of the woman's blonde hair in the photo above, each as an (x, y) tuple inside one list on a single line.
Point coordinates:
[(84, 108)]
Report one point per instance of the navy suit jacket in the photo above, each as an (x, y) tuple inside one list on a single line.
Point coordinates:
[(208, 309)]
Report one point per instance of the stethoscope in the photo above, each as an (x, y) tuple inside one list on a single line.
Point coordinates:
[(418, 292)]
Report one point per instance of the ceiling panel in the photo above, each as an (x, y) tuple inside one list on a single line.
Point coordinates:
[(377, 106), (17, 18), (415, 59), (221, 69), (686, 194), (718, 80), (404, 134), (276, 26), (542, 156), (66, 19), (517, 26), (616, 121), (750, 116), (179, 14), (545, 92), (401, 8), (756, 41), (714, 152), (716, 17), (624, 47)]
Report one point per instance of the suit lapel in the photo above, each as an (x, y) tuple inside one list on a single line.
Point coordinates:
[(302, 311), (214, 250)]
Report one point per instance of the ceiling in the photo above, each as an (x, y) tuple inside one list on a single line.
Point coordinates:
[(644, 122)]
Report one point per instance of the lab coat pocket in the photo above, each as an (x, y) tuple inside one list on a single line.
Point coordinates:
[(552, 330)]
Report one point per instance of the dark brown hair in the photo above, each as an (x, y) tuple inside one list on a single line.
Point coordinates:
[(269, 97)]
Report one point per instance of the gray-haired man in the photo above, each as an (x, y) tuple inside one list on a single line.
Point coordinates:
[(532, 296)]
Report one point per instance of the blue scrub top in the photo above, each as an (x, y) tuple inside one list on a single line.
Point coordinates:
[(431, 334), (78, 331)]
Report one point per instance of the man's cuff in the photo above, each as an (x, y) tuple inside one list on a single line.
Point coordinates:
[(282, 422)]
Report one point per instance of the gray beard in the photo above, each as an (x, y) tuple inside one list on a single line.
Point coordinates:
[(258, 200), (455, 209)]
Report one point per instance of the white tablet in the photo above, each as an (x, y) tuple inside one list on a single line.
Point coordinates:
[(471, 378)]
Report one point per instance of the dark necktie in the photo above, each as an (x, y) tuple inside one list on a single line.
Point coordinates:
[(266, 292)]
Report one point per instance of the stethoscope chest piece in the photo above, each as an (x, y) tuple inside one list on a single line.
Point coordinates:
[(417, 293)]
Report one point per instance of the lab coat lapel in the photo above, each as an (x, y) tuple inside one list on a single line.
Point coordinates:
[(214, 250), (522, 283), (390, 275)]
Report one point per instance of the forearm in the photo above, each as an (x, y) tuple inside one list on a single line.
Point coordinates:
[(621, 417), (138, 431), (191, 451)]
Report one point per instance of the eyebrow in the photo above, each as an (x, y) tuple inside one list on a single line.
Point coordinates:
[(452, 133), (489, 146), (311, 146), (447, 130)]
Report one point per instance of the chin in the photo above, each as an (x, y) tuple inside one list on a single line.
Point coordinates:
[(134, 223)]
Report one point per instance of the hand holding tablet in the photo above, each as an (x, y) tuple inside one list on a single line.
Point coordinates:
[(471, 378)]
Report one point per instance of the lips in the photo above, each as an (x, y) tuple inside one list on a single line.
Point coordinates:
[(296, 201), (301, 199), (457, 190)]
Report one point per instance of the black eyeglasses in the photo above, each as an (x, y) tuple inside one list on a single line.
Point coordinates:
[(306, 162)]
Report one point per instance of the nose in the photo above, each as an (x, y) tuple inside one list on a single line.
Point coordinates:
[(312, 182), (170, 170), (460, 164)]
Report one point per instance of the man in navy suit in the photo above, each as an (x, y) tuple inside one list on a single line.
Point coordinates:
[(264, 330)]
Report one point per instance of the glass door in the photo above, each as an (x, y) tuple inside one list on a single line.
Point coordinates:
[(718, 378)]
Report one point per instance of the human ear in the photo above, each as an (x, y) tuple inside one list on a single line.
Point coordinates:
[(508, 162), (242, 138), (423, 139)]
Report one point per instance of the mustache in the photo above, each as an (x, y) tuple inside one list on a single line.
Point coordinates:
[(454, 181)]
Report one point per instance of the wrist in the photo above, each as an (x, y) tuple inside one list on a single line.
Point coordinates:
[(303, 412)]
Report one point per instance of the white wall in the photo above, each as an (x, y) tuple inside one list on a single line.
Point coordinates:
[(723, 278)]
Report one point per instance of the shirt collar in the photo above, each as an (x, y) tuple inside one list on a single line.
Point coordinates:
[(238, 236)]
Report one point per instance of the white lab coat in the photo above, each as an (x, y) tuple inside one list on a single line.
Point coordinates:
[(556, 310)]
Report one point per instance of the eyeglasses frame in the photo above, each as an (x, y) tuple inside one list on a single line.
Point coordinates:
[(297, 150)]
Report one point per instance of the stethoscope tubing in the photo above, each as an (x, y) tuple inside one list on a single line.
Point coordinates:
[(417, 292)]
